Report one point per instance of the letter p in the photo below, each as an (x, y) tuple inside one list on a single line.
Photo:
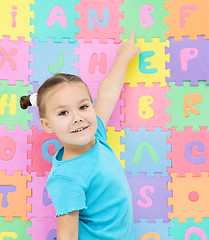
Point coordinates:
[(187, 54)]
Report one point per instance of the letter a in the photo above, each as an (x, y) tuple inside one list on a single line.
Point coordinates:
[(57, 14)]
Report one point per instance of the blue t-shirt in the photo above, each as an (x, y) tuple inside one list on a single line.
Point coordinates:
[(95, 184)]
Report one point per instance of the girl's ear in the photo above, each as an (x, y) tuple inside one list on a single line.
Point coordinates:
[(45, 125)]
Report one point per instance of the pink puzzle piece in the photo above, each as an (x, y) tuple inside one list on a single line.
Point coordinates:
[(14, 60), (95, 60), (42, 206), (190, 151), (99, 20), (13, 150), (44, 146), (43, 228), (116, 117), (145, 107)]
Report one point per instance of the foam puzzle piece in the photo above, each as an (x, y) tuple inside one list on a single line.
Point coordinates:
[(42, 206), (145, 107), (14, 230), (55, 19), (149, 65), (15, 59), (190, 198), (95, 59), (44, 146), (187, 19), (185, 230), (61, 59), (113, 140), (188, 106), (13, 196), (93, 89), (99, 20), (13, 151), (187, 60), (34, 110), (158, 230), (150, 196), (146, 151), (116, 116), (146, 18), (16, 17), (10, 110), (190, 151), (44, 228)]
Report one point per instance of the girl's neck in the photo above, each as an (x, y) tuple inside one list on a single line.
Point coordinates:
[(73, 151)]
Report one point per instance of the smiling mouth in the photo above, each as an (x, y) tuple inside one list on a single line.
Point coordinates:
[(79, 129)]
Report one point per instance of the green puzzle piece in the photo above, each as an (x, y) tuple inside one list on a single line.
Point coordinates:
[(177, 95), (146, 17), (14, 230), (10, 112)]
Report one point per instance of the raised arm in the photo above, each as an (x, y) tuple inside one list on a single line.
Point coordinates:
[(111, 86)]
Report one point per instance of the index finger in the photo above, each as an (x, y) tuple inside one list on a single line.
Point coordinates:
[(132, 36)]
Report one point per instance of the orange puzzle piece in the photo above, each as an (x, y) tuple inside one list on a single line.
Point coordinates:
[(187, 18), (13, 196), (190, 197)]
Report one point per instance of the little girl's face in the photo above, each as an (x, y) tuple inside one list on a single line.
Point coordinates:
[(70, 115)]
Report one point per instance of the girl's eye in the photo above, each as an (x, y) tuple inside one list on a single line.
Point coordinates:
[(63, 113), (83, 107)]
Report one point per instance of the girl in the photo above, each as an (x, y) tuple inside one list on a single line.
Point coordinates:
[(87, 183)]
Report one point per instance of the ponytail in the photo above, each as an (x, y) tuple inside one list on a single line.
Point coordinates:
[(30, 100), (25, 102)]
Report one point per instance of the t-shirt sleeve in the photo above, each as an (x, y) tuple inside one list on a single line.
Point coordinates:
[(101, 133), (66, 195)]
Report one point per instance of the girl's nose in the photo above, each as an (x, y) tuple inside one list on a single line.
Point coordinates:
[(77, 118)]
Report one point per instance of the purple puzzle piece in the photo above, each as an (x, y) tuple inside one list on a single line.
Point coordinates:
[(42, 206), (188, 60), (150, 196)]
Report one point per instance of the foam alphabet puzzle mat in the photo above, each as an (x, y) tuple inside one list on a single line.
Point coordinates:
[(158, 129)]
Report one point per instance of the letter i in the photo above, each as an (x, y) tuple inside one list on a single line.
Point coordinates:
[(14, 14)]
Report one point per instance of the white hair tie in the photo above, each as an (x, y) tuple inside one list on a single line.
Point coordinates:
[(33, 99)]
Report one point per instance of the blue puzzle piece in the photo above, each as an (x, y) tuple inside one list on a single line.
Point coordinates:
[(51, 58), (146, 151), (158, 230)]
